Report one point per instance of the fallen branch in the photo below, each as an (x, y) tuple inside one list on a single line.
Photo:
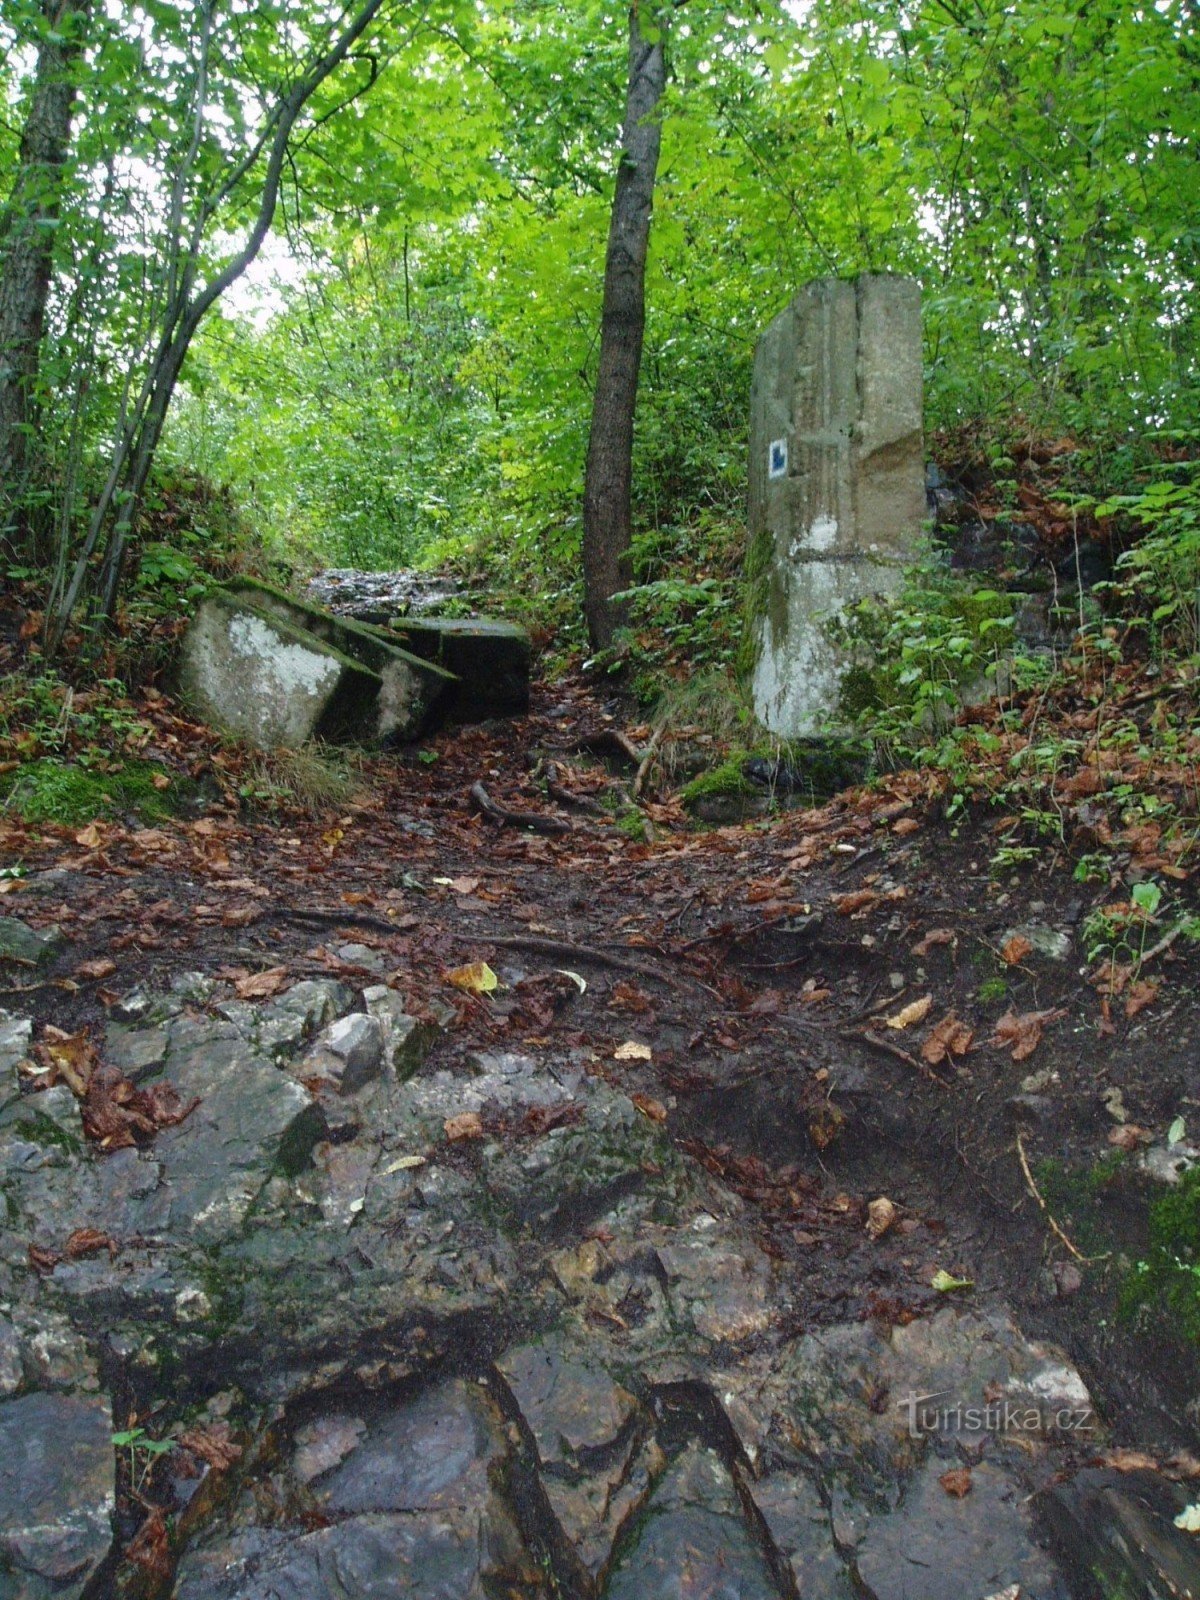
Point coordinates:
[(1165, 943), (1036, 1193), (482, 801), (864, 1036)]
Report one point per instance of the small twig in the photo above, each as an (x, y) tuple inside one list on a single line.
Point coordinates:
[(1036, 1193), (647, 761), (1165, 943), (535, 820), (863, 1036)]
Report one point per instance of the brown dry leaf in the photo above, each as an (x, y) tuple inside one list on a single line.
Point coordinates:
[(150, 1549), (881, 1214), (856, 900), (102, 967), (934, 937), (88, 1242), (460, 885), (213, 1443), (950, 1037), (42, 1260), (1140, 995), (915, 1011), (631, 1050), (475, 978), (89, 837), (1023, 1033), (825, 1124), (1129, 1137), (904, 826), (72, 1056), (649, 1107), (1129, 1461), (1014, 950), (466, 1125), (956, 1482), (260, 985)]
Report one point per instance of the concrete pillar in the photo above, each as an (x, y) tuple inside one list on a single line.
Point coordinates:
[(837, 480)]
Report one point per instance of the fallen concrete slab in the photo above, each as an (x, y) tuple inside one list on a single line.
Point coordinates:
[(259, 677), (490, 659), (414, 689)]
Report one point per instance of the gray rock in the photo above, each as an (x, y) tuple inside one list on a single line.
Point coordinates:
[(406, 1040), (139, 1051), (694, 1540), (1119, 1528), (348, 1054), (415, 1512), (16, 1037), (490, 660), (1167, 1163), (35, 947), (57, 1493)]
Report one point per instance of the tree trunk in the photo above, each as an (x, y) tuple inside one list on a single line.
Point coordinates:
[(27, 236), (608, 484)]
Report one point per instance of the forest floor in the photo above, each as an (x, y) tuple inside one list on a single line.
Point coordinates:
[(821, 1009)]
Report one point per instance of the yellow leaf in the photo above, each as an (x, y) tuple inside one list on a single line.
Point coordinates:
[(916, 1012), (88, 837), (475, 978)]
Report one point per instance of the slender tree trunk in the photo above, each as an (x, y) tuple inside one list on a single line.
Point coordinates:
[(27, 233), (608, 484), (119, 505)]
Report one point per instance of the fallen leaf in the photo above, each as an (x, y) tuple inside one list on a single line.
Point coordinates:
[(466, 1125), (904, 826), (631, 1050), (88, 1242), (1015, 948), (89, 837), (71, 1056), (934, 937), (475, 978), (1140, 995), (102, 967), (580, 983), (856, 900), (881, 1214), (649, 1107), (950, 1037), (460, 885), (945, 1282), (1023, 1033), (1129, 1461), (213, 1443), (150, 1548), (1129, 1137), (915, 1011), (956, 1482), (260, 985)]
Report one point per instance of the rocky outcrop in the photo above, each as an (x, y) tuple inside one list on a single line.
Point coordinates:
[(482, 1329)]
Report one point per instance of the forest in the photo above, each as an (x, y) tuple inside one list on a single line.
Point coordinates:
[(488, 1106)]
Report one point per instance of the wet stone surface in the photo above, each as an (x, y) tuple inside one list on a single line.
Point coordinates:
[(541, 1353)]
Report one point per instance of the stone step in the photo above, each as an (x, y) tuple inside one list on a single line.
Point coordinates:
[(490, 658)]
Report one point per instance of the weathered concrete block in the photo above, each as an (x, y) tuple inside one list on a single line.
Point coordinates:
[(489, 658), (270, 682), (837, 489), (413, 689)]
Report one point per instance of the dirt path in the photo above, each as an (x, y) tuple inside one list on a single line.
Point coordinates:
[(600, 1241)]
